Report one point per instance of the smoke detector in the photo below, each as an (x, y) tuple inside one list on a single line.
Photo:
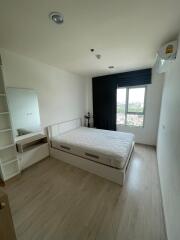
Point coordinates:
[(98, 56)]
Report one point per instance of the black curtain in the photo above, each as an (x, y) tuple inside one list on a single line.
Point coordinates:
[(104, 95), (104, 103)]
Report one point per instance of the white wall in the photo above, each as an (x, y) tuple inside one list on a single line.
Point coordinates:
[(168, 149), (61, 95), (147, 134)]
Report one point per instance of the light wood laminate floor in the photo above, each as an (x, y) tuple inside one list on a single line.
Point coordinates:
[(55, 201)]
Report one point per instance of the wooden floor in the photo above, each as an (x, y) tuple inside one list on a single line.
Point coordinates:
[(55, 201)]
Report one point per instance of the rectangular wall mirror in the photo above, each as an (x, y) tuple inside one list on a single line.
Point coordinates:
[(24, 109)]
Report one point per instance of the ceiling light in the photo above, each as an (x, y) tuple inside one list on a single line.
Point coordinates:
[(56, 17)]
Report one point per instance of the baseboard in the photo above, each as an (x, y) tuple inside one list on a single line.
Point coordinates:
[(161, 196)]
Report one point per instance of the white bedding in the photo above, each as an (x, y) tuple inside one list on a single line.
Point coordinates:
[(106, 147)]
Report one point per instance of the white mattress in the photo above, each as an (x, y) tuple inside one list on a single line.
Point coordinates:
[(106, 147)]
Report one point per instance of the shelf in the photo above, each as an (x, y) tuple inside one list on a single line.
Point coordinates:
[(7, 155), (5, 130), (6, 139), (7, 146), (5, 123), (3, 113), (8, 162), (10, 170), (3, 104), (2, 88)]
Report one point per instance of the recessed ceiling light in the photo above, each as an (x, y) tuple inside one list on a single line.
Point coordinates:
[(56, 17), (111, 67)]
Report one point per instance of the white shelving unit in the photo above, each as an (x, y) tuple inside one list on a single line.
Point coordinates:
[(9, 165)]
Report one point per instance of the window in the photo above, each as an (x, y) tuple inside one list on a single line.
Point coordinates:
[(130, 106)]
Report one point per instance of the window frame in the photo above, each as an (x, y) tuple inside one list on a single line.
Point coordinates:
[(133, 113)]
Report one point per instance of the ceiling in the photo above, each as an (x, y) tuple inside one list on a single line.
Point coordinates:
[(127, 33)]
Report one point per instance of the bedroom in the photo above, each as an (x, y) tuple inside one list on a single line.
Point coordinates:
[(101, 58)]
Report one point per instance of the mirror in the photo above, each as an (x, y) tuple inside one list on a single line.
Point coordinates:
[(24, 109)]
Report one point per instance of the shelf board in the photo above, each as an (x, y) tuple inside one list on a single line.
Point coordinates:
[(5, 130), (3, 113), (7, 146), (8, 162)]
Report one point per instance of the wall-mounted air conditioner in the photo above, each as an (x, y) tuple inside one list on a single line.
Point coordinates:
[(165, 56)]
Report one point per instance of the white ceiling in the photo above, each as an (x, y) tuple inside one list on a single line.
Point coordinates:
[(127, 33)]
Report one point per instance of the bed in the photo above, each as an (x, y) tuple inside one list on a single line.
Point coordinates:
[(102, 152)]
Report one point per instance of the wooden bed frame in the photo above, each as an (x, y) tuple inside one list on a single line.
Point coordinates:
[(110, 173)]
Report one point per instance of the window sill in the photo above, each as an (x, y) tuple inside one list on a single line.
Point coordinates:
[(129, 126)]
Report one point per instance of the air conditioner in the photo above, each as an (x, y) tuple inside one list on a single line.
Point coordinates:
[(165, 56)]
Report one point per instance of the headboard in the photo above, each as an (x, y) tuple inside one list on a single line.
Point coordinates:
[(63, 127)]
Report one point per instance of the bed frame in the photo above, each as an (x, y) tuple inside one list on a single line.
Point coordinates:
[(110, 173)]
